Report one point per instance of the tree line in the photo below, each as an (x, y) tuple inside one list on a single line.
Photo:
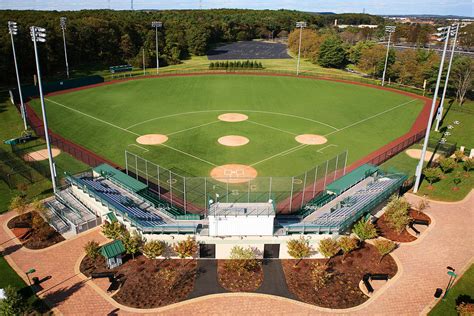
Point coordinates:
[(102, 38)]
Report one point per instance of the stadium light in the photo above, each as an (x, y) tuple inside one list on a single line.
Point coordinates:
[(156, 25), (419, 168), (38, 34), (62, 23), (301, 25), (13, 30), (390, 30), (439, 116)]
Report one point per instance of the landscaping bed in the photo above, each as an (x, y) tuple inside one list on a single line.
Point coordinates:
[(342, 288), (241, 280), (148, 283), (33, 231), (386, 231)]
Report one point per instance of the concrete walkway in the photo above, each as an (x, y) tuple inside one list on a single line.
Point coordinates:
[(448, 241)]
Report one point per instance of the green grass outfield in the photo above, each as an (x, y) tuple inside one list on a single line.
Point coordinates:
[(109, 118)]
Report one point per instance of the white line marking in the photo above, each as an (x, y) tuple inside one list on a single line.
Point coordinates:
[(242, 110), (275, 128), (371, 117), (294, 150), (144, 149), (188, 129), (321, 150), (278, 154), (185, 153)]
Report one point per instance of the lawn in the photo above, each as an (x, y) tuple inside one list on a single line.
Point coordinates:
[(464, 286), (109, 118)]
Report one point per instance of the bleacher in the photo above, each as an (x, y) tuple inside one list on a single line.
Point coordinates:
[(120, 68), (351, 208), (318, 201)]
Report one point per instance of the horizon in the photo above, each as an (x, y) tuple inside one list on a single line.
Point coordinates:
[(462, 8)]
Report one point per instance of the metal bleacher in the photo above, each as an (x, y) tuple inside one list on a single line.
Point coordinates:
[(350, 209)]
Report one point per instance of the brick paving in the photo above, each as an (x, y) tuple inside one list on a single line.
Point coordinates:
[(448, 241)]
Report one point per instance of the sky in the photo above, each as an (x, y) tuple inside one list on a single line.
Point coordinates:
[(440, 7)]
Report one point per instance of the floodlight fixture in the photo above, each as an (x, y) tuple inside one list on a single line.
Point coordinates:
[(62, 22), (156, 25), (390, 29)]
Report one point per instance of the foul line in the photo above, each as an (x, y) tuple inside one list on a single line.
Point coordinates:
[(371, 117), (144, 149), (279, 154), (191, 128), (275, 128), (321, 150), (125, 130)]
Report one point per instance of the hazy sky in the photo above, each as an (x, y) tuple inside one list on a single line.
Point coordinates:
[(443, 7)]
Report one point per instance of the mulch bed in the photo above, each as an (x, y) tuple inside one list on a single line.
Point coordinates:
[(386, 231), (247, 281), (41, 237), (148, 283), (342, 289)]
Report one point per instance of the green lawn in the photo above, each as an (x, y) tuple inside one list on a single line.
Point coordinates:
[(464, 286), (108, 119), (461, 134)]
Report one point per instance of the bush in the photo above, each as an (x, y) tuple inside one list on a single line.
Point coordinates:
[(465, 309), (186, 248), (132, 243), (458, 155), (154, 248), (447, 164), (242, 260), (92, 249), (328, 247), (396, 213), (347, 244), (384, 247), (432, 174), (364, 229), (113, 230), (211, 66), (468, 164), (320, 275), (299, 248), (19, 204), (13, 303)]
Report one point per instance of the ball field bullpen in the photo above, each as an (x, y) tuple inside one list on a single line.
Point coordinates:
[(278, 126)]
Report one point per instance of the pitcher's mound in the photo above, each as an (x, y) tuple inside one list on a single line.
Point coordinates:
[(233, 173), (311, 139), (233, 117), (233, 140), (416, 153), (152, 139), (40, 154)]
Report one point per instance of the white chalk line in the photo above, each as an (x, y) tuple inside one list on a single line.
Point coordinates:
[(275, 155), (321, 150), (271, 127), (144, 149), (191, 128)]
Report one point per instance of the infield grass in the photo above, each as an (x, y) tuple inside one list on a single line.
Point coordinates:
[(109, 118)]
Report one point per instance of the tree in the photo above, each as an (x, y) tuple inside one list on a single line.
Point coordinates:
[(347, 244), (332, 53), (186, 248), (113, 230), (461, 73), (132, 243), (364, 230), (459, 155), (92, 249), (320, 275), (447, 164), (356, 51), (13, 304), (384, 247), (468, 164), (396, 213), (328, 247), (372, 60), (242, 260), (432, 174), (299, 249), (19, 204), (154, 248), (310, 43)]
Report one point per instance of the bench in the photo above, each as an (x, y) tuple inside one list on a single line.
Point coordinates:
[(379, 276), (423, 222), (417, 232), (367, 284)]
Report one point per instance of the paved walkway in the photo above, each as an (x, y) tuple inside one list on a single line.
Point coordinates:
[(448, 241)]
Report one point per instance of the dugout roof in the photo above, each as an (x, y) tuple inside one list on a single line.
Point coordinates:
[(349, 180), (120, 177)]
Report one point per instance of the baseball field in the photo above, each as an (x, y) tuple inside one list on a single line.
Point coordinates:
[(194, 125)]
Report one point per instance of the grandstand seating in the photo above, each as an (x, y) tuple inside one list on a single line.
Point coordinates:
[(317, 202), (159, 203)]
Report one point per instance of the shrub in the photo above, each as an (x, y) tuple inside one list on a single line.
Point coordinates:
[(396, 213), (132, 243), (113, 230), (347, 244), (422, 204), (242, 260), (364, 229), (211, 65), (328, 247), (154, 248), (13, 303), (320, 275), (186, 248), (432, 174), (384, 247), (19, 204), (468, 164), (458, 155), (465, 309), (92, 249), (299, 249), (447, 164)]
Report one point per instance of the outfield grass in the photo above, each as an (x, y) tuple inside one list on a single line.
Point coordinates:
[(465, 286), (109, 118)]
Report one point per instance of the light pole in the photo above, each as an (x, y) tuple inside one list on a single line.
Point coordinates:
[(301, 25), (13, 30), (144, 67), (62, 23), (390, 30), (38, 34), (445, 32), (439, 115), (156, 25)]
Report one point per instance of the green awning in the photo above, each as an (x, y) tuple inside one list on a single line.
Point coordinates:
[(353, 177), (127, 181), (112, 249), (111, 216)]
